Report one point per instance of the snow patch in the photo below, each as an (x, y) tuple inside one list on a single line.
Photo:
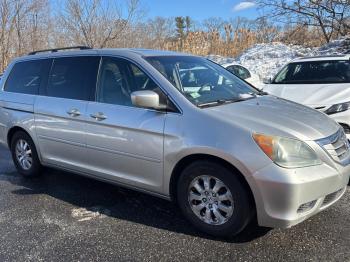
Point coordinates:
[(266, 60), (84, 214), (336, 47)]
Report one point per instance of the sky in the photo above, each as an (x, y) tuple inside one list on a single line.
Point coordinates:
[(201, 9)]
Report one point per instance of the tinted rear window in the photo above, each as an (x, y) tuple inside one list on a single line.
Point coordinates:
[(26, 77), (317, 72), (73, 77)]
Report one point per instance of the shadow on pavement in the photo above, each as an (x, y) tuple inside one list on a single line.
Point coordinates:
[(117, 202)]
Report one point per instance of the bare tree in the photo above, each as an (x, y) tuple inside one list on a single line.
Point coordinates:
[(31, 23), (213, 24), (265, 31), (95, 22), (17, 29), (160, 30), (331, 16)]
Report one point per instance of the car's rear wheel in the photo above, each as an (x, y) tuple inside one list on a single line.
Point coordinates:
[(24, 155), (214, 199)]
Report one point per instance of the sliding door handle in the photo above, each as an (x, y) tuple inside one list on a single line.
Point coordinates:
[(73, 112), (98, 116)]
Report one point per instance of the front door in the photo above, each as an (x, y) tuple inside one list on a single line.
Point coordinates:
[(125, 143)]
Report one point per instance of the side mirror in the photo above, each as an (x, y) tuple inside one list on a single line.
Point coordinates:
[(267, 80), (146, 99)]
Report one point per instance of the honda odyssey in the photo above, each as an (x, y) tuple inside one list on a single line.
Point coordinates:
[(222, 150)]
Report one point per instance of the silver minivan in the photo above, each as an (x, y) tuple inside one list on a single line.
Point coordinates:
[(176, 126)]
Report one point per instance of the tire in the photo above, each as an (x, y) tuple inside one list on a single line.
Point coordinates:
[(239, 207), (26, 170)]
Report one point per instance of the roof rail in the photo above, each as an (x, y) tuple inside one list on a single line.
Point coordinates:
[(53, 50)]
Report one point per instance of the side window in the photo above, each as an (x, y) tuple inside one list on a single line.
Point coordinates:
[(26, 77), (232, 70), (239, 71), (281, 77), (119, 78), (243, 72), (73, 77)]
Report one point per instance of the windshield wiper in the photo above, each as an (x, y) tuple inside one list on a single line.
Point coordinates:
[(260, 93), (222, 101)]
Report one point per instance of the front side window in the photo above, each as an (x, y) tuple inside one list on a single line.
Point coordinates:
[(73, 77), (202, 81), (317, 72), (27, 76), (119, 78)]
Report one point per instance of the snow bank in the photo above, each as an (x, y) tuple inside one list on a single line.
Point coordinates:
[(339, 46), (266, 60)]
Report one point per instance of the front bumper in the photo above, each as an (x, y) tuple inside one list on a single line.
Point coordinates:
[(286, 197)]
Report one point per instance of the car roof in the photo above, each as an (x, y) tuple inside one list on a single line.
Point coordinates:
[(125, 52), (229, 64), (322, 58)]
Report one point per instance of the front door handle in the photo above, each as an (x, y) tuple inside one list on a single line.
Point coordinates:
[(98, 116), (73, 112)]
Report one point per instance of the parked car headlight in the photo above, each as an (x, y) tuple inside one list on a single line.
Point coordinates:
[(337, 108), (287, 152)]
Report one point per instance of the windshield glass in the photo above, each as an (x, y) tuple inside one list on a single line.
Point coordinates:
[(202, 81), (317, 72)]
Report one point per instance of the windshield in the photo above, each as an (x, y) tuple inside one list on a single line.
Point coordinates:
[(201, 81), (317, 72)]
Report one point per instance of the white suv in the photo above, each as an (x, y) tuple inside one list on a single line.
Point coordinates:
[(321, 82)]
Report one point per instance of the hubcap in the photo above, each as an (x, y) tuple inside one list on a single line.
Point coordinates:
[(210, 200), (24, 154)]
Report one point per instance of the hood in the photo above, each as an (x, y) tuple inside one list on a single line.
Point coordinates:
[(274, 116), (312, 94)]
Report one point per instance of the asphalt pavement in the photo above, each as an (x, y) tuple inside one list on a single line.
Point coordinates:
[(65, 217)]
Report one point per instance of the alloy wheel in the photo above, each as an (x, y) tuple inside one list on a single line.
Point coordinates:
[(24, 154), (210, 200)]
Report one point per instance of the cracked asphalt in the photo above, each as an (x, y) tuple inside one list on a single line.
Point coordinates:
[(64, 217)]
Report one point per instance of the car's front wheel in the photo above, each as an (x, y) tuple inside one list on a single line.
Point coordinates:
[(214, 199)]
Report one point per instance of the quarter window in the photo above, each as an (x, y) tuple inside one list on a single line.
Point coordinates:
[(26, 77), (73, 77)]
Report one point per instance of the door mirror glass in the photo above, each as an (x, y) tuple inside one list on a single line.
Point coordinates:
[(146, 99)]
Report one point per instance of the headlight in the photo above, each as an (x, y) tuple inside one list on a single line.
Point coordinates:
[(287, 152), (338, 108)]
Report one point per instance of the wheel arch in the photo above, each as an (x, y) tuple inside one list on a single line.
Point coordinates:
[(185, 161), (15, 129)]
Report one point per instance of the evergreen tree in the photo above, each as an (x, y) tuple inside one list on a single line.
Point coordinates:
[(188, 23), (180, 26)]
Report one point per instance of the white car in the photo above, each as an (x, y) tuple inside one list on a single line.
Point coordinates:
[(243, 73), (322, 83)]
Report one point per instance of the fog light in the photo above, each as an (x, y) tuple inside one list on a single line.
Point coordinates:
[(306, 207)]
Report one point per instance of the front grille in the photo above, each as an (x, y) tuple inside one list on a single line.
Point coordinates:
[(331, 197), (337, 146)]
